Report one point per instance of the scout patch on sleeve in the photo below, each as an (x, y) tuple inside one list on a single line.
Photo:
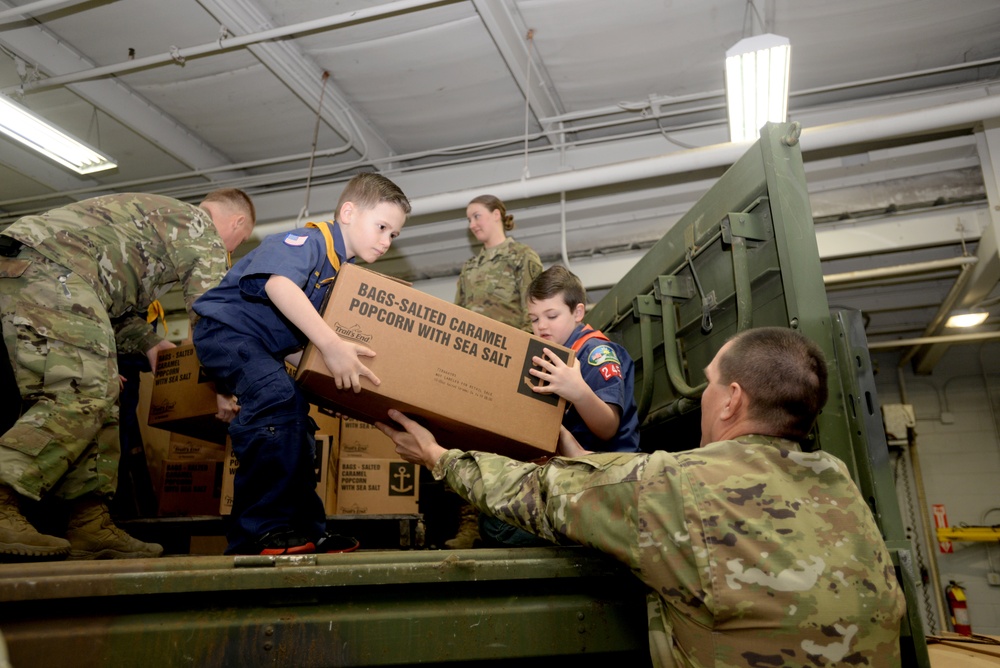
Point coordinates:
[(603, 356), (295, 240)]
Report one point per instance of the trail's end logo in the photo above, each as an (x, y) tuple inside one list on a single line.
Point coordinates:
[(353, 333), (162, 408), (355, 509)]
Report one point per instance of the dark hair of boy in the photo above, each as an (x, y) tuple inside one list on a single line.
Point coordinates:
[(555, 280)]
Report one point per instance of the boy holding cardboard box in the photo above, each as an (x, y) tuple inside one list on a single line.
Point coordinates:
[(601, 412), (603, 415), (266, 309)]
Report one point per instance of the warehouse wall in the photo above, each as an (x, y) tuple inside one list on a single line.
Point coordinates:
[(957, 411)]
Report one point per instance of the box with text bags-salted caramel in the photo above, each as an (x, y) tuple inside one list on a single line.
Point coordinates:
[(461, 374)]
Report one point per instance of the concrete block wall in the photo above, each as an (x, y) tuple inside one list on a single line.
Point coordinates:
[(957, 411)]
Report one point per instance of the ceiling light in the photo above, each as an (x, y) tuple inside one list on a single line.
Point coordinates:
[(967, 319), (756, 84), (39, 135)]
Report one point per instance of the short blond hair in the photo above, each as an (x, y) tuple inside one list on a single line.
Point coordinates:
[(235, 198), (368, 189)]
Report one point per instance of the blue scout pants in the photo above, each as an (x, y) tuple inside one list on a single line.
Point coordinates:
[(272, 437)]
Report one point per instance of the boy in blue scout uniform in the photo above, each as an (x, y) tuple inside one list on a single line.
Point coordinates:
[(601, 412), (266, 309)]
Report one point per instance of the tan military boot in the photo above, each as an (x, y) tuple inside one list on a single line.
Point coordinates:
[(467, 535), (93, 535), (18, 537)]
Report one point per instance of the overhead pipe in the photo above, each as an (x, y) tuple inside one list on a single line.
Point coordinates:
[(179, 55), (898, 270), (657, 101), (562, 230), (956, 293), (925, 340), (24, 11), (719, 155), (689, 160)]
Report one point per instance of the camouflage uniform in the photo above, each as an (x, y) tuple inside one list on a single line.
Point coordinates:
[(496, 281), (74, 297), (756, 554)]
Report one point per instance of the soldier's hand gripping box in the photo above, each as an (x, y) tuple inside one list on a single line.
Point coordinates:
[(463, 375), (360, 439)]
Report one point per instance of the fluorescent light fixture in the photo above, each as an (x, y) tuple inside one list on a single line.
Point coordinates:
[(756, 84), (39, 135), (967, 319)]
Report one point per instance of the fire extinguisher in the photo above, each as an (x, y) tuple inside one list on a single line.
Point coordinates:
[(959, 608)]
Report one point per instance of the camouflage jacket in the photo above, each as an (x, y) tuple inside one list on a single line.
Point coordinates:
[(496, 281), (756, 554), (131, 248)]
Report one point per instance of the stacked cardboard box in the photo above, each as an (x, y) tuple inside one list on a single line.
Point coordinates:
[(181, 446), (195, 476), (183, 400), (180, 414), (372, 479), (190, 482), (360, 439), (190, 487), (358, 473), (185, 470)]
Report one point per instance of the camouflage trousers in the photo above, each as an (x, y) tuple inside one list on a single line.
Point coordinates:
[(62, 347)]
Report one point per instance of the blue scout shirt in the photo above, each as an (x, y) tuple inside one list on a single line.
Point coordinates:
[(609, 371), (240, 302)]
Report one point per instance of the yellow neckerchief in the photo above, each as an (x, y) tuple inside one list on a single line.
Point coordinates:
[(156, 312), (331, 254)]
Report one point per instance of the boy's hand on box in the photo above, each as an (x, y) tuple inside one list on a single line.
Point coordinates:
[(558, 378), (228, 407), (342, 358)]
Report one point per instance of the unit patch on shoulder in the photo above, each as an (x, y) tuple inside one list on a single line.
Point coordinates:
[(601, 355), (295, 240), (604, 356)]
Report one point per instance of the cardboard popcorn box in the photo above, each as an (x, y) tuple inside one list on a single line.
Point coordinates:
[(183, 399), (367, 486), (462, 374), (360, 439), (190, 487)]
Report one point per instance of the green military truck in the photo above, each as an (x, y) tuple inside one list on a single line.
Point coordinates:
[(744, 256)]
